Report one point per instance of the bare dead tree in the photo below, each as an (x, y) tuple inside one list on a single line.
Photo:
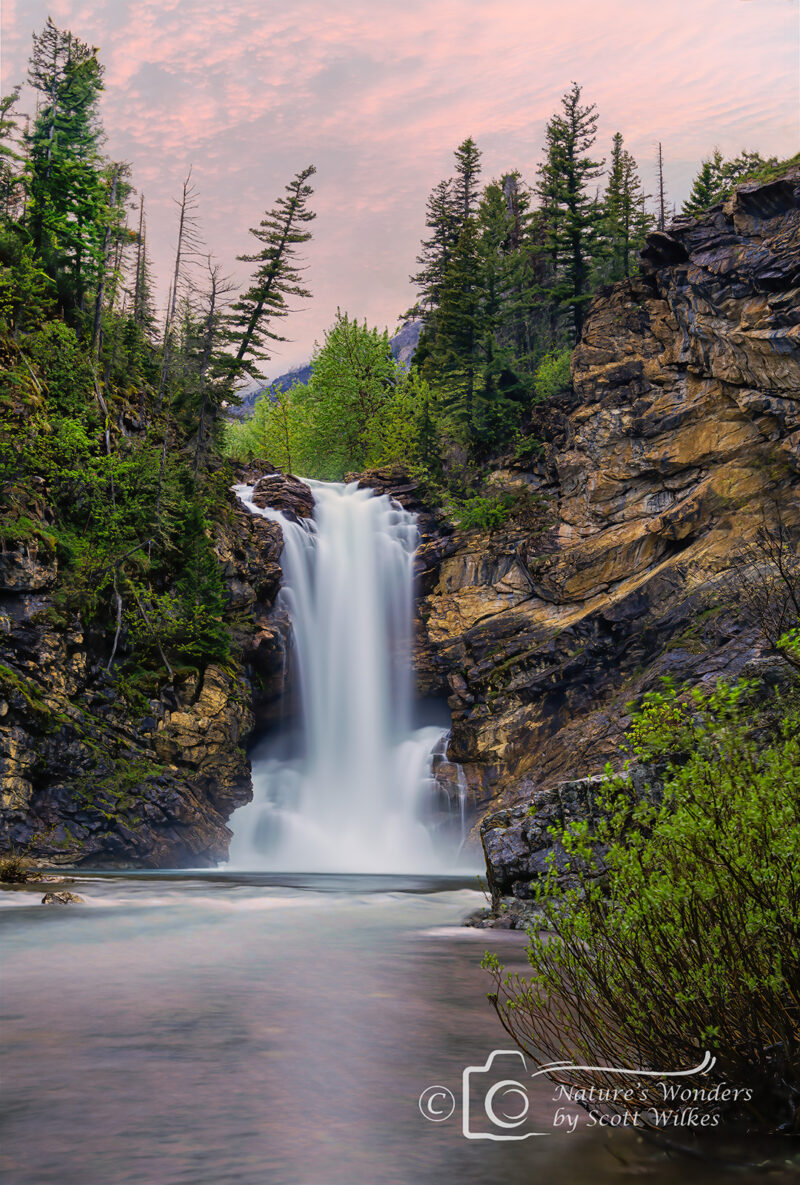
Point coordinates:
[(217, 292), (186, 252), (662, 209)]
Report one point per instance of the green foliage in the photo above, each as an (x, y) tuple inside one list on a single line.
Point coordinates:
[(789, 646), (405, 432), (484, 513), (59, 356), (682, 931), (277, 279), (717, 177), (572, 215), (552, 376), (489, 512), (353, 376), (625, 221), (26, 291), (67, 193)]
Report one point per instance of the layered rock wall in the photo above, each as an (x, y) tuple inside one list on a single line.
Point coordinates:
[(681, 436)]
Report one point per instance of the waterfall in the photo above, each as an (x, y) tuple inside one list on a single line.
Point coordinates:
[(351, 794)]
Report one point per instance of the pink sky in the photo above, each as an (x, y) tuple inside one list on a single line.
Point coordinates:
[(377, 95)]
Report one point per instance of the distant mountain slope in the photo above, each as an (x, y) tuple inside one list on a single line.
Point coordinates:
[(403, 344)]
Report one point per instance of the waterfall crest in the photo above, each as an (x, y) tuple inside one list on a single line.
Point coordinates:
[(351, 793)]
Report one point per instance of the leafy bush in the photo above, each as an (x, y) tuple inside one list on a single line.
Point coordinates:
[(682, 932), (58, 353), (552, 375), (485, 513), (489, 512)]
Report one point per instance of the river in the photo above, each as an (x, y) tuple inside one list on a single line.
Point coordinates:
[(235, 1029)]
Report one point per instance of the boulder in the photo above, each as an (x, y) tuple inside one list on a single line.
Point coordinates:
[(283, 492)]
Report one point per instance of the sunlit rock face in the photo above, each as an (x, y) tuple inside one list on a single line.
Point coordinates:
[(683, 430)]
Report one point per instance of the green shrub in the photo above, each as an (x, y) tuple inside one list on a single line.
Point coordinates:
[(679, 930), (484, 513), (552, 375)]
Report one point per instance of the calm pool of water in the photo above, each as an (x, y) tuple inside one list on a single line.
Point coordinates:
[(217, 1029)]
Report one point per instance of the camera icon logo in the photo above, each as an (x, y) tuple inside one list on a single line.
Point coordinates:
[(496, 1106)]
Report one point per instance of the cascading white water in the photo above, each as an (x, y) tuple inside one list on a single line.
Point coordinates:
[(352, 798)]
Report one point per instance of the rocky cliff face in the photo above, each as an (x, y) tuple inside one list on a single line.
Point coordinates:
[(87, 777), (682, 433)]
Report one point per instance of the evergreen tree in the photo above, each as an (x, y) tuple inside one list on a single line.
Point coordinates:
[(662, 196), (717, 177), (508, 250), (502, 306), (67, 189), (707, 186), (571, 213), (12, 181), (625, 220), (466, 190), (451, 359), (436, 250), (143, 311), (277, 278), (450, 206)]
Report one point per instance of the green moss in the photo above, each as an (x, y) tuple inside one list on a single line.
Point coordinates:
[(27, 530), (12, 681)]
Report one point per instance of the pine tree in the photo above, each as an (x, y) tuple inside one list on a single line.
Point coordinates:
[(450, 205), (67, 190), (114, 241), (717, 177), (571, 212), (436, 250), (210, 367), (625, 220), (466, 190), (451, 359), (707, 186), (12, 180), (143, 304), (514, 246), (276, 280)]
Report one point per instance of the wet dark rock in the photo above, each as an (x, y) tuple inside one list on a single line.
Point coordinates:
[(283, 492), (62, 898)]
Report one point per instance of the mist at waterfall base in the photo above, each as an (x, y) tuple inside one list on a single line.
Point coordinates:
[(352, 788)]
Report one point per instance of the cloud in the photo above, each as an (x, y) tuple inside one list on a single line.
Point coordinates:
[(377, 95)]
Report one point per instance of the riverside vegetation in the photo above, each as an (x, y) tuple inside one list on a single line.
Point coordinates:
[(595, 456)]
